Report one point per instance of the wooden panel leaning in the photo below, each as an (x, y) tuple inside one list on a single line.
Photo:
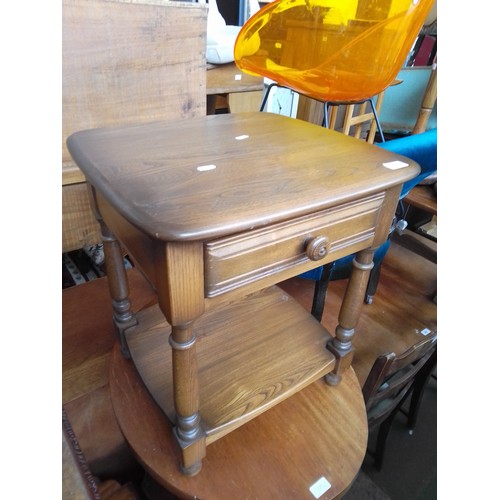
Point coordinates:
[(125, 62)]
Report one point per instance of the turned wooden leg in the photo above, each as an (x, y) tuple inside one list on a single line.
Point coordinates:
[(188, 431), (341, 344), (182, 300), (123, 317)]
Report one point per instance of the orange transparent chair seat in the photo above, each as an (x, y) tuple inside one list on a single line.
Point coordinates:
[(332, 50)]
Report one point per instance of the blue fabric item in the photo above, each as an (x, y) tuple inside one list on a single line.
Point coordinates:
[(421, 148)]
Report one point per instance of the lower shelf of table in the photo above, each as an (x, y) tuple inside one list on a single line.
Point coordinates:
[(317, 435), (252, 354)]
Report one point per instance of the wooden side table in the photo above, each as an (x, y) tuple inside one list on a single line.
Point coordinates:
[(216, 210)]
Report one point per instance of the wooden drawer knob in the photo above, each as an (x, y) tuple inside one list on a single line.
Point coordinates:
[(317, 248)]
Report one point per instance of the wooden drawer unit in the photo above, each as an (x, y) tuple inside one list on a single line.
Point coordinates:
[(301, 244)]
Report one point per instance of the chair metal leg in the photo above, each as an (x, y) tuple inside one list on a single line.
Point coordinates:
[(326, 105), (266, 95), (377, 121), (373, 283), (320, 289)]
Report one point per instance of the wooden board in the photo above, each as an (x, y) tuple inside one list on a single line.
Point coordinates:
[(423, 197), (126, 62), (80, 227)]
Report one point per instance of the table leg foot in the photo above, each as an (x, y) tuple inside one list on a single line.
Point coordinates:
[(343, 352), (193, 449), (192, 470), (333, 379)]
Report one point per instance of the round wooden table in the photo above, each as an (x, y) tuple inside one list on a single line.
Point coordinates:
[(309, 446)]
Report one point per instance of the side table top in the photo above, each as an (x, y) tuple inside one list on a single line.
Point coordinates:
[(211, 176)]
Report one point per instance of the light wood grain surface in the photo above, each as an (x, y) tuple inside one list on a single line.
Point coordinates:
[(319, 432), (187, 180)]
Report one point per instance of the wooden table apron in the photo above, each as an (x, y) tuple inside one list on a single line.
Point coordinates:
[(215, 211)]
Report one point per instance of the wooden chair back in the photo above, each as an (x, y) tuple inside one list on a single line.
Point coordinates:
[(428, 102), (356, 115), (393, 377)]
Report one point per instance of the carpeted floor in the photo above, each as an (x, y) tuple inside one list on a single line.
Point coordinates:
[(365, 489)]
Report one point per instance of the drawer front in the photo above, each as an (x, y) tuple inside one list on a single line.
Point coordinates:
[(300, 244)]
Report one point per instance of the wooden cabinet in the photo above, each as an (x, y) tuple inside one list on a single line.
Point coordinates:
[(216, 210)]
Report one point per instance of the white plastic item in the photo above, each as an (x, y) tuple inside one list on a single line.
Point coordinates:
[(220, 37)]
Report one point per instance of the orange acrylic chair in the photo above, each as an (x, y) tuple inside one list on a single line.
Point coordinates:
[(336, 52), (333, 51)]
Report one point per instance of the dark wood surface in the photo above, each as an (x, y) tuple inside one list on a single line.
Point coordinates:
[(423, 197)]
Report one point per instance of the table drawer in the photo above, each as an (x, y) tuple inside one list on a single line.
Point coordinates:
[(303, 243)]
